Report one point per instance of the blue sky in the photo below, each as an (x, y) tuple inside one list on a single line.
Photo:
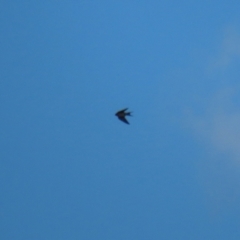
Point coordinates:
[(70, 169)]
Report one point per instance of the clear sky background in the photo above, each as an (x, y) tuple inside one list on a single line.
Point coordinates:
[(69, 169)]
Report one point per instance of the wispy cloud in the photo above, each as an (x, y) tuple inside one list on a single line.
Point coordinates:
[(219, 123), (218, 126), (229, 49)]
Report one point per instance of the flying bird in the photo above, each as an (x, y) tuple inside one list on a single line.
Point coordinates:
[(122, 114)]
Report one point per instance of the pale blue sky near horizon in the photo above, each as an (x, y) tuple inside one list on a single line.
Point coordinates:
[(69, 169)]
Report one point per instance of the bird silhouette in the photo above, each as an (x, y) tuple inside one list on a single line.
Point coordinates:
[(122, 114)]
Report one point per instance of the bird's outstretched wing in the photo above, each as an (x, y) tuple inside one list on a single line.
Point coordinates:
[(122, 111), (123, 119)]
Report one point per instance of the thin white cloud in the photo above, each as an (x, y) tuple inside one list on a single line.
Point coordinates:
[(219, 172), (229, 49), (219, 125)]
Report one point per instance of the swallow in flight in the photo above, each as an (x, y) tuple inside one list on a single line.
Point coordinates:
[(122, 114)]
